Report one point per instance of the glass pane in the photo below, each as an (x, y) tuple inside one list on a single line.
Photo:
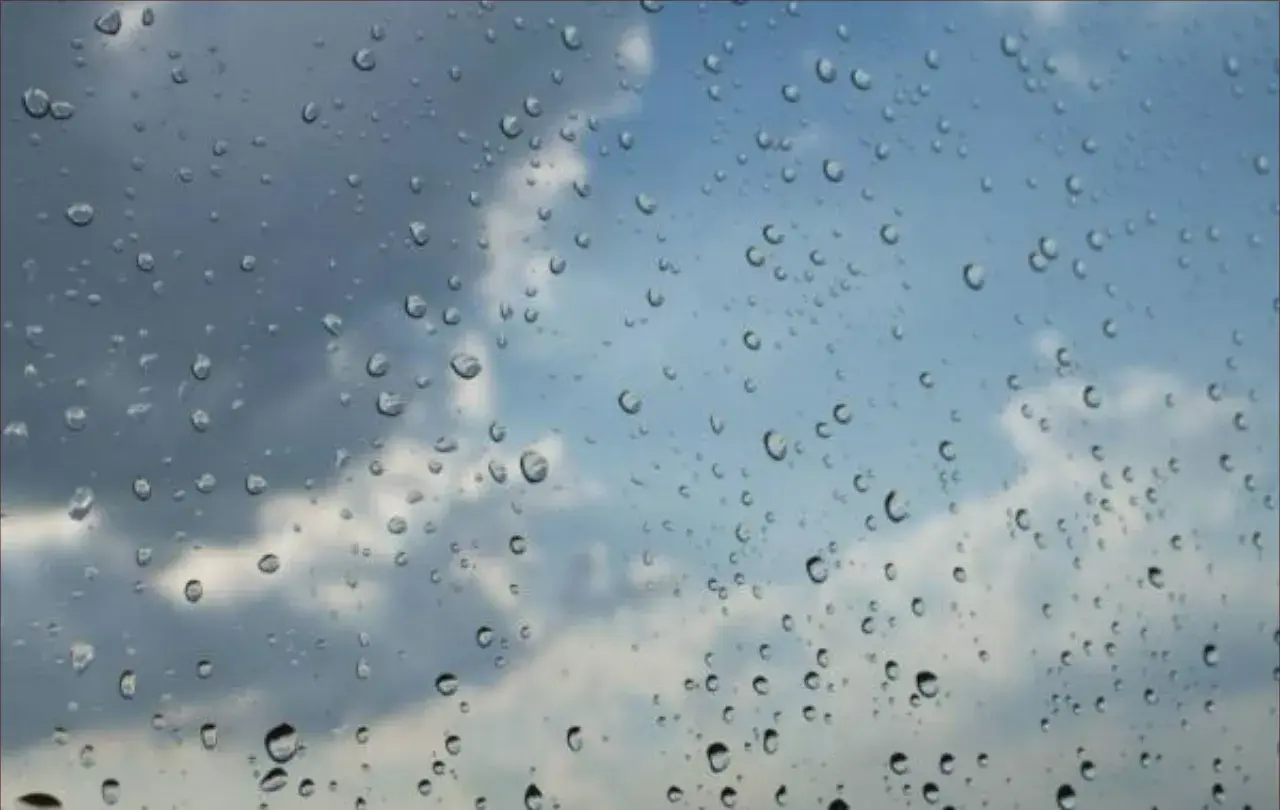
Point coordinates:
[(633, 405)]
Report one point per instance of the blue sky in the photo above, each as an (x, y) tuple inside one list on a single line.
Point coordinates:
[(1136, 142)]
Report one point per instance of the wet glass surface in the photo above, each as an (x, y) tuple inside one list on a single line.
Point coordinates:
[(631, 405)]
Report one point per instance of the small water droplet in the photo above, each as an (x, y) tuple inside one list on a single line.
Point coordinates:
[(717, 757), (573, 738), (281, 743), (975, 276), (193, 590), (629, 402), (861, 79), (447, 684), (310, 112), (364, 59), (466, 366), (816, 567), (775, 444), (534, 466), (81, 503), (128, 684), (80, 214), (273, 780), (833, 170)]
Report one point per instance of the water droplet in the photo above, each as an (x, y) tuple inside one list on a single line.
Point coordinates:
[(1010, 45), (816, 567), (392, 404), (718, 757), (646, 204), (898, 763), (975, 276), (889, 234), (310, 112), (1262, 165), (128, 684), (82, 655), (377, 365), (81, 503), (364, 59), (80, 214), (193, 590), (1155, 577), (833, 170), (281, 743), (895, 507), (273, 780), (629, 403), (108, 23), (932, 59), (510, 126), (447, 684), (825, 70), (1210, 655), (466, 366), (39, 801), (534, 466), (775, 444), (1091, 396), (255, 484), (790, 93), (861, 79), (209, 736), (674, 794), (1066, 797), (35, 102), (570, 37), (927, 683), (268, 563), (573, 738), (751, 340), (415, 306)]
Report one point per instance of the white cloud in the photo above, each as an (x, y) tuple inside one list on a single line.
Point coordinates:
[(635, 49)]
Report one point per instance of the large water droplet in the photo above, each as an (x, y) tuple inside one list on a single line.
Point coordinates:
[(80, 214), (532, 798), (717, 757), (273, 780), (573, 738), (35, 102), (534, 466), (895, 507), (39, 801), (108, 23), (1066, 797), (629, 402), (364, 59), (927, 683), (466, 366), (281, 743), (816, 567), (775, 444), (447, 684), (975, 276)]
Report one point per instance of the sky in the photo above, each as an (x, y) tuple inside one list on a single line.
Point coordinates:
[(522, 401)]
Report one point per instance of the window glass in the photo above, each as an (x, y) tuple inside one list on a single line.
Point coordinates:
[(633, 405)]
